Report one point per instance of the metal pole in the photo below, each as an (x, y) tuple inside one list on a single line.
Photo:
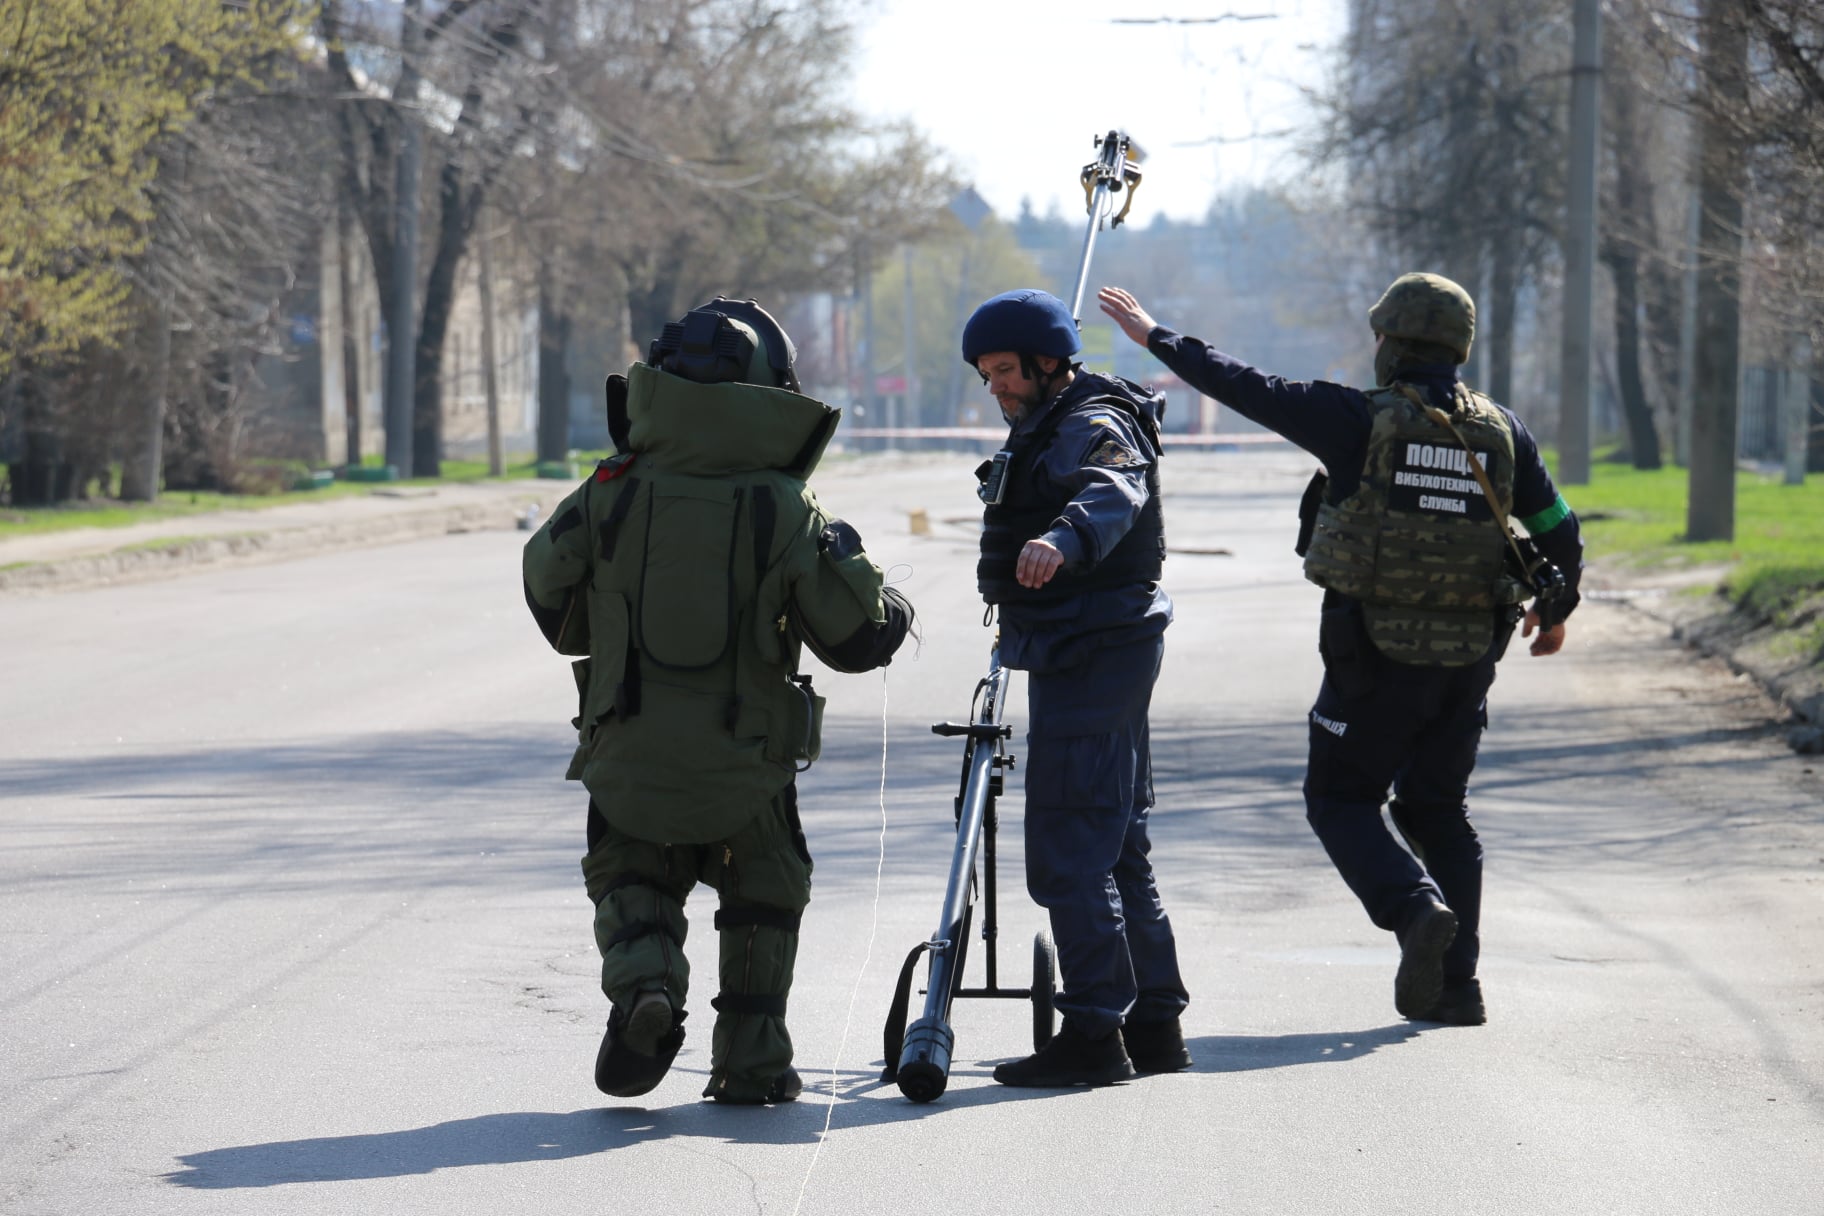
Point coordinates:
[(910, 415), (1089, 245), (1580, 247), (867, 344)]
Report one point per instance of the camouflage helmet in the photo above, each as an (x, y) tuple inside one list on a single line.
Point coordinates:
[(1427, 308)]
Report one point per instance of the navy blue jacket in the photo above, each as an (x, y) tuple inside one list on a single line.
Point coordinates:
[(1107, 494), (1332, 422)]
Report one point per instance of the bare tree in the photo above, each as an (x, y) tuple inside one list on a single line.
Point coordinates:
[(1449, 115)]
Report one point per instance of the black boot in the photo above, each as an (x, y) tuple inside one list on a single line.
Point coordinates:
[(1072, 1058), (638, 1046), (1460, 1004), (1420, 980), (1156, 1046), (783, 1088)]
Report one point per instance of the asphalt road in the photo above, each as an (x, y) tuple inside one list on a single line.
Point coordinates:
[(291, 920)]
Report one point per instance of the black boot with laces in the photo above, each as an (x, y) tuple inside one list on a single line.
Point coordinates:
[(1072, 1058)]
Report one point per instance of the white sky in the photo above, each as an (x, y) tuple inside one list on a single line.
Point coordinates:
[(1014, 90)]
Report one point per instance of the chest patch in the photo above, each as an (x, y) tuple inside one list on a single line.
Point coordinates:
[(1436, 479)]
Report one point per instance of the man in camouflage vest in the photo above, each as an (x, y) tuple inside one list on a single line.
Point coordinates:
[(1408, 539), (689, 570)]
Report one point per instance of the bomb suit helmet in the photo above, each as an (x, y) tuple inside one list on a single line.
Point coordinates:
[(1427, 308), (727, 341)]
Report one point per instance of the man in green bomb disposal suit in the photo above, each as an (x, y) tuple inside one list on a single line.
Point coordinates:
[(689, 570)]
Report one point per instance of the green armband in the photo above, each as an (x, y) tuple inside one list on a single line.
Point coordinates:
[(1546, 520)]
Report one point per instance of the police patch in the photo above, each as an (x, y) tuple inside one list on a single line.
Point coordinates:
[(1113, 454)]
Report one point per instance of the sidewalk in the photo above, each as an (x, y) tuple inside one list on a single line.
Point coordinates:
[(1778, 660), (89, 557)]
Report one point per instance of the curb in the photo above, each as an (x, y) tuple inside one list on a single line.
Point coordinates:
[(156, 559), (1752, 648)]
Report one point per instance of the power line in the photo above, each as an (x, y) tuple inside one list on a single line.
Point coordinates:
[(1193, 20)]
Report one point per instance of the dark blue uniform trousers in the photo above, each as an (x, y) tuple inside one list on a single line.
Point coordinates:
[(1413, 731), (1089, 786)]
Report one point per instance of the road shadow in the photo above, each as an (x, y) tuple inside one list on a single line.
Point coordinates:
[(516, 1137), (1222, 1053), (862, 1098)]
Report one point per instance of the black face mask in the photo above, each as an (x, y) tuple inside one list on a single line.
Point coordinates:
[(1386, 357), (1395, 354)]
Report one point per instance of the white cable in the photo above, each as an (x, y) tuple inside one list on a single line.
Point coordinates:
[(880, 867)]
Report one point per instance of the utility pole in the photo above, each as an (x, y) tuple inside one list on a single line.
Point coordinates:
[(868, 395), (1580, 246), (402, 321), (490, 378), (910, 415)]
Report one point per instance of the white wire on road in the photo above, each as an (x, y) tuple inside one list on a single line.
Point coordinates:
[(842, 1043)]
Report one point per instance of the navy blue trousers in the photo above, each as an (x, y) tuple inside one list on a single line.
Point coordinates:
[(1089, 787), (1412, 731)]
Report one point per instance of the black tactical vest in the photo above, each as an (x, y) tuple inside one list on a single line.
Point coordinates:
[(1033, 502)]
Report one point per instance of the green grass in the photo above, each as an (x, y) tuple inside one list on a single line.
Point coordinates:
[(1634, 519), (111, 513)]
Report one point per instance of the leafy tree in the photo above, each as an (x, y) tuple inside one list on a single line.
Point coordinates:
[(86, 90)]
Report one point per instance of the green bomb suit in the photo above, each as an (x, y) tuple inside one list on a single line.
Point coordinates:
[(690, 570)]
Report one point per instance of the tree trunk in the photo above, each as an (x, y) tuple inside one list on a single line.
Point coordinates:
[(142, 472), (351, 349), (457, 208), (553, 375), (1630, 228), (35, 475), (1503, 302), (402, 347), (650, 309), (1710, 509), (1643, 435)]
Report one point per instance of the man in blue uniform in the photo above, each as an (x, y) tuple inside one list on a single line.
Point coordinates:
[(1409, 542), (1072, 545)]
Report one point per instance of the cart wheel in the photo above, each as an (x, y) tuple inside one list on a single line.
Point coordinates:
[(1044, 983)]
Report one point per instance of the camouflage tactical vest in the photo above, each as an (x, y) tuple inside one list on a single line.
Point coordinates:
[(1417, 543)]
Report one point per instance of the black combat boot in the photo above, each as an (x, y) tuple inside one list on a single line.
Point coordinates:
[(1156, 1046), (783, 1088), (1420, 980), (1460, 1004), (1072, 1058), (639, 1046)]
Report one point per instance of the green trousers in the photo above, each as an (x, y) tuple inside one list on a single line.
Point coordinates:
[(762, 875)]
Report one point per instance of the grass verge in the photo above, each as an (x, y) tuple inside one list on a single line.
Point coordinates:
[(112, 513), (1773, 568)]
